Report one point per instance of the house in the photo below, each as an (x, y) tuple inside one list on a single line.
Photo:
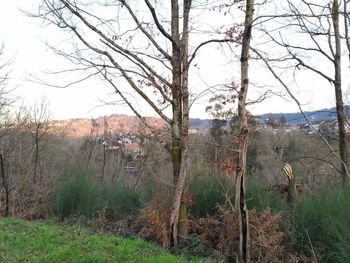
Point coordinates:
[(133, 149)]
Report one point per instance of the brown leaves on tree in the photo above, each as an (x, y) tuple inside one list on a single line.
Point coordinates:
[(228, 167)]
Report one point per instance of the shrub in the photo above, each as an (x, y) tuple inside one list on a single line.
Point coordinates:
[(117, 199), (207, 193), (221, 234), (81, 195), (154, 219), (322, 223), (76, 196), (211, 191), (260, 197)]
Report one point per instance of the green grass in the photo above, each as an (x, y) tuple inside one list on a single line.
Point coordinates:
[(39, 242)]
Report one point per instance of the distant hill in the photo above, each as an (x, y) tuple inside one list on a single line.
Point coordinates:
[(115, 123), (200, 124), (131, 124), (298, 118)]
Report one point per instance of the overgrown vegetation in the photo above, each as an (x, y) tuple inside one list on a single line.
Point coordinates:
[(137, 203), (164, 181)]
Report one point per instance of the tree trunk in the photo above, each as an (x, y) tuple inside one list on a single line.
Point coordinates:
[(178, 221), (241, 207), (5, 185), (178, 217), (103, 161), (36, 156), (339, 94), (174, 92)]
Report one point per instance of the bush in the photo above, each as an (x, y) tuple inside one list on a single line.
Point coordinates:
[(221, 234), (322, 223), (260, 197), (76, 196), (81, 195), (207, 193), (117, 199), (154, 219)]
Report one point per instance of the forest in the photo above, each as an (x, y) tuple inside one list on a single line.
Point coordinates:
[(243, 189)]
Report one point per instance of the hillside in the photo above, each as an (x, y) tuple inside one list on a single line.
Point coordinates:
[(117, 123), (114, 123)]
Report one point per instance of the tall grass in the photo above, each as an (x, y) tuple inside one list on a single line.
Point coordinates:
[(82, 195), (322, 223)]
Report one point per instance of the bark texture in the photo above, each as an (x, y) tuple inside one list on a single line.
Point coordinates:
[(180, 124), (338, 93), (5, 185), (241, 207)]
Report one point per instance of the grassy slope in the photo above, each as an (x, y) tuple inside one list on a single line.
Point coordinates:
[(23, 241)]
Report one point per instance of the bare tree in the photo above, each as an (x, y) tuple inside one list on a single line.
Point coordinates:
[(318, 26), (40, 125), (150, 55), (5, 101), (90, 142), (15, 160), (243, 114)]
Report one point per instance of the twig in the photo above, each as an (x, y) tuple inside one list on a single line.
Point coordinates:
[(312, 248)]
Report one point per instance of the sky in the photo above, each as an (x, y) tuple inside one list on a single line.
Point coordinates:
[(24, 41)]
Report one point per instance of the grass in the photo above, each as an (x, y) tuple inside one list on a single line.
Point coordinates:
[(39, 242)]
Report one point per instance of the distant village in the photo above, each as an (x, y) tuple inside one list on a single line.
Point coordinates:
[(131, 143), (328, 127)]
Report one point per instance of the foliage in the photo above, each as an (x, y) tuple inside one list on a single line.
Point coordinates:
[(210, 191), (217, 130), (207, 192), (260, 197), (322, 222), (81, 194), (219, 106), (76, 196), (55, 243), (282, 121)]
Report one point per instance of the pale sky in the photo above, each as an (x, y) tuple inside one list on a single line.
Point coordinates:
[(24, 40)]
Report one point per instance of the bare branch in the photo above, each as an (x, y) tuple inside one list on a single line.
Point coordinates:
[(206, 43), (155, 18), (264, 59)]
